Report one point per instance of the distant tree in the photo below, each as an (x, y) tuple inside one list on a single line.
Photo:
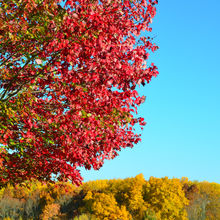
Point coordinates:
[(129, 192), (104, 206), (204, 201), (85, 217), (166, 198), (155, 199)]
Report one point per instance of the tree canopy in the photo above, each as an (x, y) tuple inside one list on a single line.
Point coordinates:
[(68, 77), (127, 199)]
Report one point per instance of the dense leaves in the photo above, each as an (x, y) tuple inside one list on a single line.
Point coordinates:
[(204, 200), (68, 73), (155, 199), (166, 198)]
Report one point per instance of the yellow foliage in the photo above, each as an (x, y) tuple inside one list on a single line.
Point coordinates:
[(209, 200), (136, 190), (2, 192), (95, 185), (129, 193), (85, 217), (166, 198), (121, 199), (104, 206), (52, 192), (50, 210)]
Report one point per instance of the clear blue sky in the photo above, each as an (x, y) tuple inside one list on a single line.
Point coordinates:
[(182, 109)]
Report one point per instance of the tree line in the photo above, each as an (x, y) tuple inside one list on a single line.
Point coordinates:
[(127, 199)]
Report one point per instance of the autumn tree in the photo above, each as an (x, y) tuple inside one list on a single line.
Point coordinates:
[(68, 73), (204, 201), (129, 193), (104, 206), (166, 198)]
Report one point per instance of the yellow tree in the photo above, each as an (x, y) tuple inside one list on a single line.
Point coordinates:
[(206, 203), (166, 198), (129, 192), (104, 206)]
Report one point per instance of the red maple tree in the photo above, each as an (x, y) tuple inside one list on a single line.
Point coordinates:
[(68, 78)]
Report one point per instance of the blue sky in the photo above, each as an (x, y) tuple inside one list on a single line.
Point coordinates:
[(182, 135)]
